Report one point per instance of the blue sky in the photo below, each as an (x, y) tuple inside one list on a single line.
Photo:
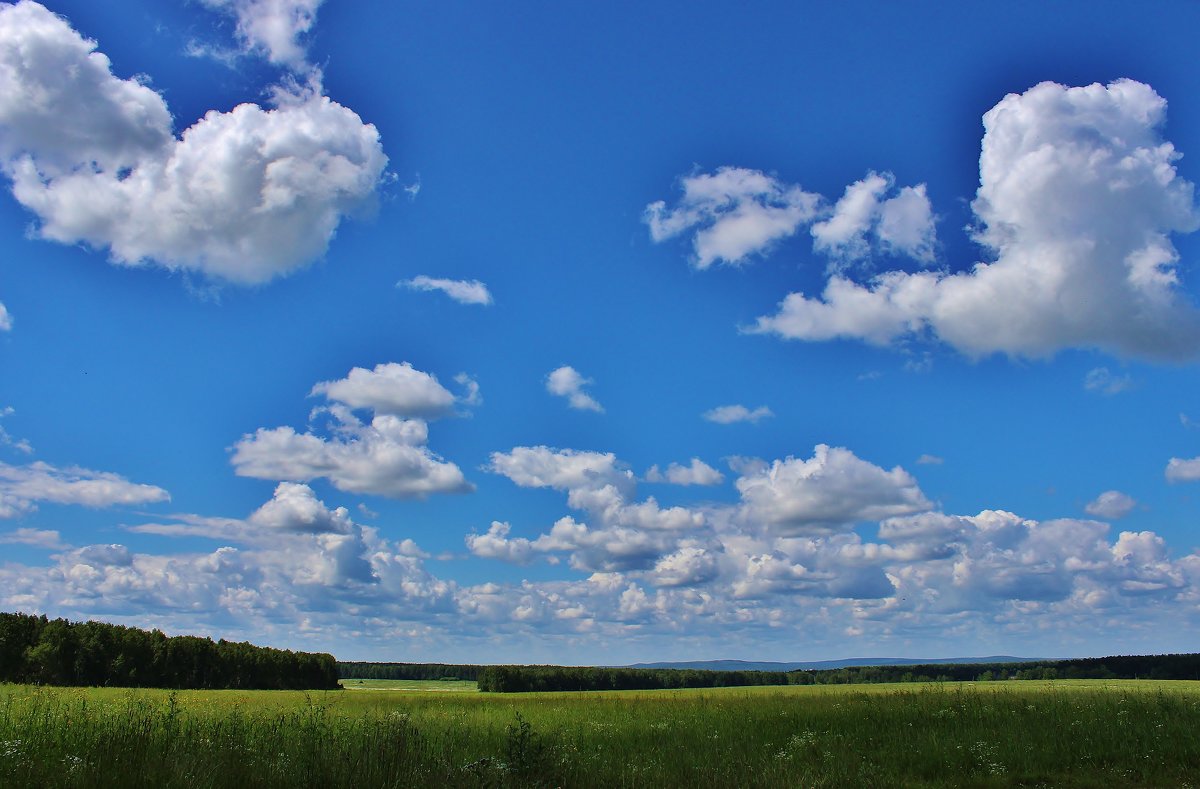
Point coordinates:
[(577, 334)]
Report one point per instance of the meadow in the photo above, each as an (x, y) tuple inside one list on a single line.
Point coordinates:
[(1061, 733)]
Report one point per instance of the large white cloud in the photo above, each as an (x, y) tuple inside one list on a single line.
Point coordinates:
[(387, 456), (832, 489), (242, 196), (22, 487), (1078, 197), (391, 388), (735, 212)]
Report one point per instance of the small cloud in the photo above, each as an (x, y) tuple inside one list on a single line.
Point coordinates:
[(930, 460), (461, 290), (870, 375), (38, 538), (6, 440), (472, 396), (567, 382), (698, 473), (728, 414), (1187, 421), (367, 512), (1180, 470), (6, 320), (1111, 505), (1101, 381), (414, 188)]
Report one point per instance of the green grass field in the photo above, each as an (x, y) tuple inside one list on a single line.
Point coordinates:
[(1082, 733)]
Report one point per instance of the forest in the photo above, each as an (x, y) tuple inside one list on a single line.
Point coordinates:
[(37, 650)]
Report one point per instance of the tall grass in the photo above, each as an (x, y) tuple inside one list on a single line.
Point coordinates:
[(1054, 734)]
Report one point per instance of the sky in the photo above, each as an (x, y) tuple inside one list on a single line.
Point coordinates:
[(603, 333)]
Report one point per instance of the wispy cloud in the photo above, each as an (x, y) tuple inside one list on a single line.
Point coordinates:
[(461, 290), (729, 414)]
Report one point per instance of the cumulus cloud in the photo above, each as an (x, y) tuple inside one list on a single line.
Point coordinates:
[(563, 469), (833, 489), (863, 220), (391, 388), (295, 508), (697, 473), (1181, 470), (241, 196), (22, 487), (1111, 505), (461, 290), (567, 382), (736, 213), (6, 321), (273, 27), (729, 414), (496, 544), (387, 456), (1078, 197)]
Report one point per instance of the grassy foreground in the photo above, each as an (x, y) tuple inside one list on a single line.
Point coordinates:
[(1085, 733)]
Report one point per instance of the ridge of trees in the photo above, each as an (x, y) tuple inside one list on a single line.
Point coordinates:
[(516, 679), (34, 649)]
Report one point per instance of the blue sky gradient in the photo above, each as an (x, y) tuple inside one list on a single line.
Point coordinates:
[(227, 410)]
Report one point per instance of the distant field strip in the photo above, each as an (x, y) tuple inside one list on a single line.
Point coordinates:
[(1063, 733)]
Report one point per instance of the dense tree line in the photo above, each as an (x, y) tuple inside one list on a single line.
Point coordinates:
[(518, 679), (34, 649), (358, 670)]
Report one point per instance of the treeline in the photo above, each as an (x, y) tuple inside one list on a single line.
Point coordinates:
[(519, 679), (34, 649), (358, 670)]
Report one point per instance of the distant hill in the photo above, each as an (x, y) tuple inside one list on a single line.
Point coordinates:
[(748, 665)]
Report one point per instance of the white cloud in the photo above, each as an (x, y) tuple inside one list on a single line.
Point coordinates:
[(6, 440), (243, 196), (563, 469), (295, 508), (1181, 470), (38, 538), (735, 212), (388, 456), (1100, 380), (697, 473), (274, 27), (22, 487), (463, 291), (834, 489), (1111, 505), (930, 460), (1078, 195), (391, 388), (6, 321), (729, 414), (567, 382), (496, 544), (862, 219)]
